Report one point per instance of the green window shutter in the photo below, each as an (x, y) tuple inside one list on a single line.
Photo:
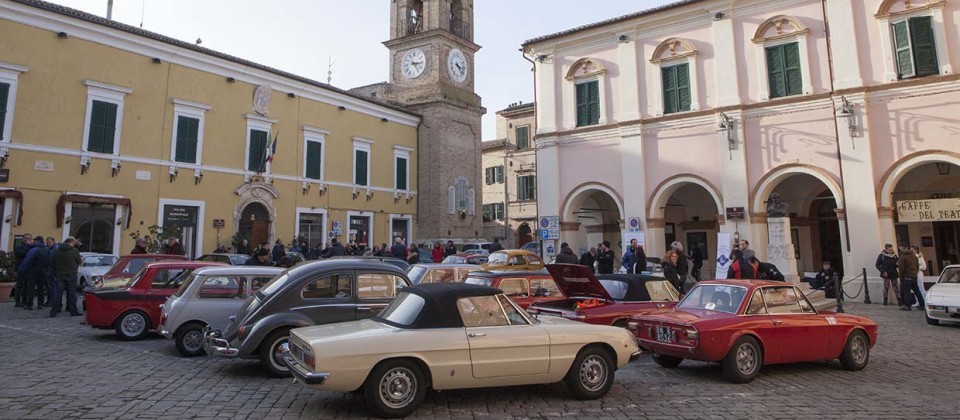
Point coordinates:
[(360, 167), (103, 120), (924, 46), (792, 71), (583, 111), (498, 174), (670, 104), (775, 71), (683, 87), (314, 159), (901, 42), (187, 134), (4, 96), (523, 137), (487, 178), (532, 185), (258, 145), (594, 101), (521, 182), (401, 173)]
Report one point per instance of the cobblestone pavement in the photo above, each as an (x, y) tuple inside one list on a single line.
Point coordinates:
[(53, 368)]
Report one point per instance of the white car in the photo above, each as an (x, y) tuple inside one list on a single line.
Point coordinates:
[(943, 298), (92, 266)]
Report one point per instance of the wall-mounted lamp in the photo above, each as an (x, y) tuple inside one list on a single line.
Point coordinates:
[(541, 58), (728, 125), (62, 35), (719, 16), (384, 119), (943, 168), (849, 111), (119, 221), (4, 155), (231, 80), (291, 95), (84, 164), (369, 194), (356, 193), (197, 176), (342, 108), (156, 60), (396, 197), (114, 167), (67, 220), (322, 189), (623, 39), (173, 173), (305, 187), (409, 197)]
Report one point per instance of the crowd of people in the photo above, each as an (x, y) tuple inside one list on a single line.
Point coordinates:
[(277, 255), (902, 270), (46, 271)]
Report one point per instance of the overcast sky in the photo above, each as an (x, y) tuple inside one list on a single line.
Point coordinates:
[(300, 36)]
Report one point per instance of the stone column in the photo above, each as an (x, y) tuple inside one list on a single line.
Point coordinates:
[(655, 241), (780, 250), (758, 235)]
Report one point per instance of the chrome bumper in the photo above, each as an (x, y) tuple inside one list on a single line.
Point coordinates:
[(215, 345), (165, 333), (300, 372), (636, 355)]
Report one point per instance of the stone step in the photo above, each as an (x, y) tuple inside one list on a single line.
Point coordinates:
[(819, 299)]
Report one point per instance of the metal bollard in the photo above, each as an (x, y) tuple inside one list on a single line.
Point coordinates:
[(866, 288)]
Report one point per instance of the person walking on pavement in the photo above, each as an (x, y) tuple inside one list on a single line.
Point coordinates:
[(398, 250), (19, 253), (32, 269), (605, 259), (887, 266), (909, 267), (588, 258), (67, 261), (566, 255)]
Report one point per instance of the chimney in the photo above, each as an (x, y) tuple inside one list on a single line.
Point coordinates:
[(109, 9)]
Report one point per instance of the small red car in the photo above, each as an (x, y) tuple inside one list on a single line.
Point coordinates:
[(134, 309), (522, 287), (127, 266), (608, 300), (744, 324)]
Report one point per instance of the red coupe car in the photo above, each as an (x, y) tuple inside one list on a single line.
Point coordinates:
[(608, 300), (134, 309), (522, 287), (127, 266), (744, 324)]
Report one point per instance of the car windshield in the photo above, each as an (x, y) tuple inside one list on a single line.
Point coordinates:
[(950, 275), (497, 258), (483, 281), (661, 291), (403, 310), (616, 288), (274, 285), (416, 273), (99, 261), (714, 297), (136, 277), (185, 285), (134, 265), (454, 259), (238, 259)]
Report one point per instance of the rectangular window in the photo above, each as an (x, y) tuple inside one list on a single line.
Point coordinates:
[(257, 159), (588, 103), (401, 173), (4, 96), (188, 133), (488, 176), (527, 187), (783, 70), (523, 137), (360, 164), (498, 211), (916, 51), (488, 212), (314, 160), (676, 88), (498, 174), (103, 126)]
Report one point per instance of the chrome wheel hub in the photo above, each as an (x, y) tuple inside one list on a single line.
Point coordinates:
[(133, 324), (746, 359), (278, 354), (193, 340), (398, 387), (593, 373), (858, 350)]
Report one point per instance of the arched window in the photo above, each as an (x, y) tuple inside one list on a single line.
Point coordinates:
[(783, 58), (677, 59), (916, 44), (589, 82)]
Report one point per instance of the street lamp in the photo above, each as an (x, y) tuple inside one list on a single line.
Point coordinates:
[(848, 111), (728, 125)]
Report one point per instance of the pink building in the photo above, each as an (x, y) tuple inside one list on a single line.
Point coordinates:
[(676, 118)]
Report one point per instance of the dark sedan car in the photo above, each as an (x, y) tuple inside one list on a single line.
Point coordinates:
[(314, 293)]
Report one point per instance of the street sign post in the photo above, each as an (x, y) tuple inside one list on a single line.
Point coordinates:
[(550, 227)]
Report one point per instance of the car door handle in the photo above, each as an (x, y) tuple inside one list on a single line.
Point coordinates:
[(363, 308), (477, 335), (777, 322)]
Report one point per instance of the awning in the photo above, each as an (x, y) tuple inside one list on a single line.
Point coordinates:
[(93, 199), (16, 195)]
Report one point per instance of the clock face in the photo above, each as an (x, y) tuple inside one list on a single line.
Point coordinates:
[(457, 65), (414, 62)]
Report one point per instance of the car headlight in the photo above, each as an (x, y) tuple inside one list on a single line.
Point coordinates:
[(98, 281)]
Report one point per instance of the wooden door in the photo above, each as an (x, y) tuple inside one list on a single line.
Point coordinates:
[(260, 231)]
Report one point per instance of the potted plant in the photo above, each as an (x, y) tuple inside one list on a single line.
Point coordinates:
[(8, 276)]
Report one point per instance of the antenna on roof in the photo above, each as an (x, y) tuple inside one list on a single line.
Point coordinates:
[(330, 63), (143, 8)]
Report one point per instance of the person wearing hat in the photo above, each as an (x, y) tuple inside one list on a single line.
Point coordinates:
[(566, 255), (605, 259), (140, 247)]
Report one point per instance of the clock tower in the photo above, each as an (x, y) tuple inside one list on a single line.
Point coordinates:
[(432, 73)]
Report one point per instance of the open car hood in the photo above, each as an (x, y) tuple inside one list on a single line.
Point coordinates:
[(577, 281)]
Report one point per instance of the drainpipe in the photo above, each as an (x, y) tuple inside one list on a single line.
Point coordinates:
[(836, 128), (536, 164)]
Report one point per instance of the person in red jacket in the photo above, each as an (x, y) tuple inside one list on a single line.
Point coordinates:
[(437, 253)]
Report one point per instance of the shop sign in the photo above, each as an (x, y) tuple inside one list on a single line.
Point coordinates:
[(942, 210)]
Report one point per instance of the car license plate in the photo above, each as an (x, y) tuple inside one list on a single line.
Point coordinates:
[(664, 334)]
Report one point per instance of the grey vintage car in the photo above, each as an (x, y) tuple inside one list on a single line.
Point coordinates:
[(314, 293), (209, 296)]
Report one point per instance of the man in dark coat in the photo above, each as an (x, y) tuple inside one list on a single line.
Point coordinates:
[(605, 259), (588, 258), (495, 246), (19, 253), (278, 251), (566, 255), (449, 250), (335, 250), (824, 279), (32, 269), (261, 258), (696, 255), (909, 268), (398, 250), (67, 261), (767, 271), (174, 247), (887, 266), (140, 247)]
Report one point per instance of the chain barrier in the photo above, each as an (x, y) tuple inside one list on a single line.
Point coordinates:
[(842, 290)]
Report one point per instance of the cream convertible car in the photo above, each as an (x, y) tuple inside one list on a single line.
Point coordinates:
[(451, 336)]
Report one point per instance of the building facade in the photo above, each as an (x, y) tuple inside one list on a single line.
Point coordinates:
[(109, 129), (682, 122), (432, 73), (510, 178)]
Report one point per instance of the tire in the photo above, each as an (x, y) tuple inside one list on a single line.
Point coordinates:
[(856, 353), (931, 321), (132, 325), (270, 353), (189, 339), (591, 375), (743, 361), (668, 362), (81, 284), (395, 388)]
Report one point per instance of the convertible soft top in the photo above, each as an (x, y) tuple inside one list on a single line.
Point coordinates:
[(440, 307), (636, 285)]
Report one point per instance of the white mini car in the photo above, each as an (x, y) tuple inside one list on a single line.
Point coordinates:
[(209, 296), (943, 298), (93, 265)]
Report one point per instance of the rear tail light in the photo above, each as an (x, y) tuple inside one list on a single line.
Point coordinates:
[(241, 331), (686, 336)]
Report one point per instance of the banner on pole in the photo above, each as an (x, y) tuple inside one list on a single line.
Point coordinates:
[(723, 255)]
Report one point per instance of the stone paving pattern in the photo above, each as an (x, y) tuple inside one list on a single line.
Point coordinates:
[(57, 368)]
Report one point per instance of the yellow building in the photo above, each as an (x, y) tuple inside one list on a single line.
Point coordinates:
[(108, 129)]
